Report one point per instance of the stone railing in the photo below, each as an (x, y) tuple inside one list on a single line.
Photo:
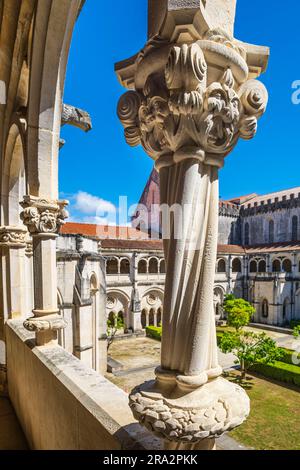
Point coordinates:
[(70, 406)]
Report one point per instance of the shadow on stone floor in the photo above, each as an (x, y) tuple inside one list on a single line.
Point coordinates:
[(11, 434)]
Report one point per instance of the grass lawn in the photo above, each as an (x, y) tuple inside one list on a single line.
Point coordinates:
[(274, 422)]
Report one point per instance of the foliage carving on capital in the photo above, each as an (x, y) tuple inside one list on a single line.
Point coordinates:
[(194, 103), (13, 236), (43, 216)]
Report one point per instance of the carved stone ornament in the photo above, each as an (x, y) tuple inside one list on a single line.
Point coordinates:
[(210, 411), (192, 103), (46, 323), (13, 237), (43, 216)]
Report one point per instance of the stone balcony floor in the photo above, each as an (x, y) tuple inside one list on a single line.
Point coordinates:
[(11, 434)]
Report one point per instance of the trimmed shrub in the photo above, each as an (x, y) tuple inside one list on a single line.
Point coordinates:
[(280, 371), (294, 323), (154, 332)]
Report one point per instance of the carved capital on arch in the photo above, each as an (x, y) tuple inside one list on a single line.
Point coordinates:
[(43, 216), (201, 97)]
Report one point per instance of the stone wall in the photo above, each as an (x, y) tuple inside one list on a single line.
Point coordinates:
[(69, 407)]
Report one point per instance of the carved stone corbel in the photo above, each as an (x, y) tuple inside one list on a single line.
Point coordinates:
[(42, 216)]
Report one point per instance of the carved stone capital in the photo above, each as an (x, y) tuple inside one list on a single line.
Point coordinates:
[(208, 412), (46, 323), (43, 216), (13, 237), (201, 98)]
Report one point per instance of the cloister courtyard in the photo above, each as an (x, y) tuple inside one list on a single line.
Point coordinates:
[(272, 402)]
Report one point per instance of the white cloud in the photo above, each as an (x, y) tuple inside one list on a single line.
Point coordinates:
[(88, 204)]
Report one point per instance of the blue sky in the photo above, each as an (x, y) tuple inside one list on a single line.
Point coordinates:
[(98, 167)]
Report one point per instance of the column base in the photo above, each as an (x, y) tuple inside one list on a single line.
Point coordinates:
[(189, 417), (45, 328)]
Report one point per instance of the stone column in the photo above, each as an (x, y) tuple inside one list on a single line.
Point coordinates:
[(195, 96), (13, 241), (44, 219), (135, 303)]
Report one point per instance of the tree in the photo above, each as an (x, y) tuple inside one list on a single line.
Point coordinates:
[(296, 331), (239, 312), (250, 349), (113, 326)]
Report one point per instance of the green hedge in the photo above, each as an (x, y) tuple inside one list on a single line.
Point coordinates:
[(154, 332), (294, 323), (280, 371)]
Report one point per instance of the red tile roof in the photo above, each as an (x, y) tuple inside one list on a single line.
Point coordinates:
[(273, 248), (103, 231)]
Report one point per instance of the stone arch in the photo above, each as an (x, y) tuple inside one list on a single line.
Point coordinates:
[(52, 34), (153, 266), (262, 266), (253, 266), (14, 182), (236, 265), (152, 300), (144, 318), (124, 266), (152, 317), (276, 266), (118, 301), (221, 265), (287, 265), (162, 266), (159, 316), (112, 266), (142, 266)]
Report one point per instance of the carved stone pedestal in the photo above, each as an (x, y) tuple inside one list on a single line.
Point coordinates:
[(190, 416)]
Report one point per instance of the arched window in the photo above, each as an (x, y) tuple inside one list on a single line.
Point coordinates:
[(144, 319), (236, 266), (221, 266), (162, 267), (287, 266), (121, 317), (276, 267), (151, 317), (294, 228), (112, 318), (159, 317), (125, 266), (271, 231), (262, 266), (153, 266), (112, 266), (253, 266), (247, 234), (265, 308), (142, 266)]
